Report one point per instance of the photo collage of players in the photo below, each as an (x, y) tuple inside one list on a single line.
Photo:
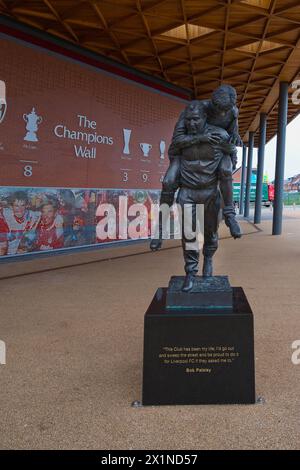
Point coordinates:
[(45, 219)]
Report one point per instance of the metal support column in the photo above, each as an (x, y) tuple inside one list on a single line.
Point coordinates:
[(242, 187), (260, 167), (280, 158), (249, 174)]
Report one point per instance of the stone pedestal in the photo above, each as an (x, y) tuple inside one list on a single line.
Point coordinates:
[(208, 292), (199, 354)]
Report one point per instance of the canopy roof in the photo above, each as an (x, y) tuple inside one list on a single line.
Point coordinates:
[(251, 44)]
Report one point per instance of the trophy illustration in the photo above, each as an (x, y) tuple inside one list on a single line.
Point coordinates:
[(162, 148), (33, 121), (3, 105), (146, 149), (127, 134)]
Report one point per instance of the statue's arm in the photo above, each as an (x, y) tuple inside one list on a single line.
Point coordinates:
[(173, 152), (230, 149), (227, 148), (233, 129), (181, 139)]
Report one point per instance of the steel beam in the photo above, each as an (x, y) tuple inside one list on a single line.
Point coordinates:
[(280, 158), (249, 174), (242, 186), (260, 167)]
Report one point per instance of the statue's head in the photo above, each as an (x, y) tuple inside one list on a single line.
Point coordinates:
[(195, 117), (224, 97)]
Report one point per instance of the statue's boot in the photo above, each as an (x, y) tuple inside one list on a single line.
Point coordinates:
[(188, 282), (227, 194), (207, 270), (234, 227), (156, 244), (167, 197)]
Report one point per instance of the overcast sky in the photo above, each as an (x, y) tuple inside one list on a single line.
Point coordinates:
[(292, 159)]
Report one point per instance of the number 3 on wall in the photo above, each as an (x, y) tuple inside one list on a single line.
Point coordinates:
[(27, 170)]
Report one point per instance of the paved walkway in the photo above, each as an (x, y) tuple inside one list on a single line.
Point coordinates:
[(74, 340)]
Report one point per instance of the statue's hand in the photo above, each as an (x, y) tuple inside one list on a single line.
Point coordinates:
[(229, 148), (236, 140), (234, 160), (213, 139)]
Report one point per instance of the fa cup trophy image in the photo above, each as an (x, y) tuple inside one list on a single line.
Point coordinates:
[(33, 121), (3, 105)]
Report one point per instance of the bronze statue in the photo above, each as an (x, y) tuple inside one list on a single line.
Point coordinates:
[(202, 155)]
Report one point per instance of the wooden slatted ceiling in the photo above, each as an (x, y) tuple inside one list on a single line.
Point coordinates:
[(251, 44)]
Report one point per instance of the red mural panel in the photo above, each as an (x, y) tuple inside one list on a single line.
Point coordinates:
[(69, 125), (73, 137)]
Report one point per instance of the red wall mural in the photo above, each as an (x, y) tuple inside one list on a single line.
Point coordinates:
[(66, 125)]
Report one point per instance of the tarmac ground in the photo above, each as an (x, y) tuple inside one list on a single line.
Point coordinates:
[(74, 340)]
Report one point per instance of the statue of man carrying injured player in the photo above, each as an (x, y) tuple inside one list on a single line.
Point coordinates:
[(202, 157)]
